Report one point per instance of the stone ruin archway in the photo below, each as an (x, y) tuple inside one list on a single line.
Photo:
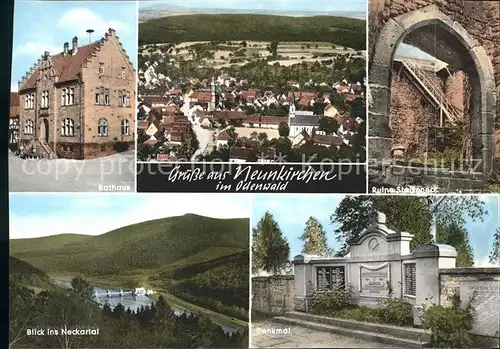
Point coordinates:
[(470, 57)]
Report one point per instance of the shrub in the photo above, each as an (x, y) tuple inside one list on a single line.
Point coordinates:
[(395, 312), (449, 326), (325, 303)]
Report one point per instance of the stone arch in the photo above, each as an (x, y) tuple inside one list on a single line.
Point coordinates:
[(481, 70)]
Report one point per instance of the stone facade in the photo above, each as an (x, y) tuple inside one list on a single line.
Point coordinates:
[(463, 34), (80, 102), (410, 114), (486, 283), (273, 294)]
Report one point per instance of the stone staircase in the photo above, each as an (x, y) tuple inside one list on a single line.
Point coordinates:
[(46, 151), (428, 87), (42, 148), (401, 337)]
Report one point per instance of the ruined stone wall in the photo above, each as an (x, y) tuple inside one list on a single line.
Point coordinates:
[(455, 90), (410, 114), (478, 286), (273, 294), (479, 18)]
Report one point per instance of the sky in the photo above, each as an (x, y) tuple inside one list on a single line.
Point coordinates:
[(292, 211), (36, 215), (45, 26), (268, 5)]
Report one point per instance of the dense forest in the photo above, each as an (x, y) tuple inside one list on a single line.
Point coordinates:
[(220, 285), (205, 27), (149, 327)]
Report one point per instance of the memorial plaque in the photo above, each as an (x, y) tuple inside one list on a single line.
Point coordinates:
[(410, 279), (486, 305), (373, 282), (330, 278)]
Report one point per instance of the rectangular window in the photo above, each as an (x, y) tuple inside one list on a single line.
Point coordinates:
[(106, 97), (101, 68), (410, 276), (120, 101), (97, 97), (63, 96), (330, 278), (124, 75), (128, 99), (26, 102), (71, 99)]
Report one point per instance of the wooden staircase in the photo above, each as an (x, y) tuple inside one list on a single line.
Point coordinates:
[(417, 72)]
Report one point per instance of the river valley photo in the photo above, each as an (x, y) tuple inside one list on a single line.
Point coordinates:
[(124, 271)]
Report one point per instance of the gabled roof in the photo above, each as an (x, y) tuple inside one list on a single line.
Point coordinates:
[(68, 66), (224, 136)]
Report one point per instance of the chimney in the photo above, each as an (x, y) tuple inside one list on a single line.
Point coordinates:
[(75, 45), (66, 48)]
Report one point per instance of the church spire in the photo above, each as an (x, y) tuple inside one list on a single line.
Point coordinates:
[(212, 89)]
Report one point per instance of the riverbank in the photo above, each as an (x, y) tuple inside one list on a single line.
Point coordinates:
[(194, 309), (171, 299)]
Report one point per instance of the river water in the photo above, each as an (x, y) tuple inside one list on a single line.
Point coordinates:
[(134, 302)]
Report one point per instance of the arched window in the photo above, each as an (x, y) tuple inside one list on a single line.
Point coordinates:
[(102, 128), (68, 127), (125, 127), (28, 127)]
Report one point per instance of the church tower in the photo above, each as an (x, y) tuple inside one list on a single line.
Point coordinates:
[(291, 111), (212, 101)]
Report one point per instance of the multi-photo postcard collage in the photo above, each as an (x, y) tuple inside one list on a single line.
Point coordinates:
[(254, 174)]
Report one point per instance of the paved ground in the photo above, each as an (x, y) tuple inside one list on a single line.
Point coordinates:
[(204, 137), (62, 175), (300, 337)]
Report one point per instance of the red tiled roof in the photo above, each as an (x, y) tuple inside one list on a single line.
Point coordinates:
[(151, 142), (273, 120), (328, 140), (229, 115), (248, 95), (176, 91), (304, 101), (66, 67), (240, 153), (254, 119), (224, 136), (202, 96), (165, 157)]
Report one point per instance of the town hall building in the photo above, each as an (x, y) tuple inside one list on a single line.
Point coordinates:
[(79, 103)]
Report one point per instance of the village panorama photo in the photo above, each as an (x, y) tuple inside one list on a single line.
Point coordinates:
[(261, 82)]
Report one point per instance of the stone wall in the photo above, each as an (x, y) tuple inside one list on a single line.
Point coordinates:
[(479, 18), (410, 114), (463, 282), (455, 90), (463, 34), (273, 294)]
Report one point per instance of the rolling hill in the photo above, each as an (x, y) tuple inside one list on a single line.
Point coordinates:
[(157, 245), (343, 31), (27, 275)]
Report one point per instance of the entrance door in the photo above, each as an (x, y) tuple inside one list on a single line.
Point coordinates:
[(44, 130)]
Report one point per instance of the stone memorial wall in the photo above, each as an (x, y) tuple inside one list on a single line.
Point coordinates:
[(482, 287), (273, 294)]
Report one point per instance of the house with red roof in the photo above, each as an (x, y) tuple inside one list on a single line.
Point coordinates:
[(80, 102)]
